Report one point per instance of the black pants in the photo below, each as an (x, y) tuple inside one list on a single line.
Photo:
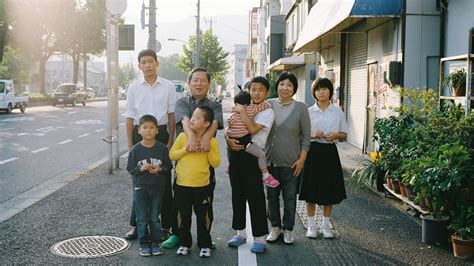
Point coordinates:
[(174, 207), (166, 206), (247, 186), (199, 199)]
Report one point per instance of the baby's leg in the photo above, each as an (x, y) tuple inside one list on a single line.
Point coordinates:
[(258, 152)]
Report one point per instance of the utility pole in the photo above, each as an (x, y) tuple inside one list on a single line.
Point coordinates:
[(152, 25), (198, 37)]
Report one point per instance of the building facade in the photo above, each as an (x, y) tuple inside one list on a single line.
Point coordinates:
[(237, 61)]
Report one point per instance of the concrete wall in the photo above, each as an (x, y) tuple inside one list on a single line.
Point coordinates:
[(421, 44), (460, 19)]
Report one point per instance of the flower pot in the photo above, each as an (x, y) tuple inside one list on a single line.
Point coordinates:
[(463, 249), (409, 192), (434, 231), (396, 187), (459, 91), (402, 189), (390, 182)]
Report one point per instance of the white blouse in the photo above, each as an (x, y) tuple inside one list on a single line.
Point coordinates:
[(330, 120)]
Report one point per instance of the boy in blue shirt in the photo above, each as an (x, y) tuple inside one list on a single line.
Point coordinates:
[(148, 163)]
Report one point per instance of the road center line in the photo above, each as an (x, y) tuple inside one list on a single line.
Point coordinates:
[(9, 160), (99, 130), (40, 150), (83, 135), (246, 257), (21, 134), (64, 142)]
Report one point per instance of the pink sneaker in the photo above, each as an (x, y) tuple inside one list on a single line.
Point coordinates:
[(270, 181)]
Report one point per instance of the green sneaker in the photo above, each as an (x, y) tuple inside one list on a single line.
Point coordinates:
[(171, 242), (213, 245)]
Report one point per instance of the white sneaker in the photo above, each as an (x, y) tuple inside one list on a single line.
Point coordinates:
[(274, 234), (312, 231), (183, 251), (288, 237), (205, 253), (327, 233)]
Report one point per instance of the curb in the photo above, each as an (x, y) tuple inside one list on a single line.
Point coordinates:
[(44, 103)]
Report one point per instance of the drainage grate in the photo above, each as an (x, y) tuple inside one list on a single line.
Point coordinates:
[(90, 246)]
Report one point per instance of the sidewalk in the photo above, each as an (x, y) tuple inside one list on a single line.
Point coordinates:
[(371, 230)]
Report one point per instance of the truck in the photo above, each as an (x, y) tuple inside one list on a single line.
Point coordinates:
[(8, 99)]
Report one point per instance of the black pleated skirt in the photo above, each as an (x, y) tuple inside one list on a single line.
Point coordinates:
[(323, 182)]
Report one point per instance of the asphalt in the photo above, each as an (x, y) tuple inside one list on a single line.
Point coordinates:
[(371, 228)]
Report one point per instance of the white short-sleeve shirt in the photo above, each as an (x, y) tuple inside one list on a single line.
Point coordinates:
[(158, 100), (330, 120), (264, 118)]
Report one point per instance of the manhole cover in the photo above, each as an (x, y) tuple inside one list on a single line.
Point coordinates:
[(90, 246)]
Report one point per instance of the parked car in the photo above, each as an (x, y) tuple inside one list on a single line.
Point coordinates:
[(90, 92), (8, 99), (69, 94)]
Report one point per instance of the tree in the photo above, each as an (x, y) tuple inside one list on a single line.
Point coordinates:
[(169, 70), (212, 56), (127, 74), (15, 67), (85, 32), (37, 29)]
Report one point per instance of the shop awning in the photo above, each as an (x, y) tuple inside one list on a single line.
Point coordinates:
[(287, 63), (331, 16)]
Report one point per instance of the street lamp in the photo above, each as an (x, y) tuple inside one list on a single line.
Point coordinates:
[(185, 42)]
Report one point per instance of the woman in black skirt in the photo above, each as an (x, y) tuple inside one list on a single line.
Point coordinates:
[(323, 183)]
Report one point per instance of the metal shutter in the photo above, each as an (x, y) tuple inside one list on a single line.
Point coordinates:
[(356, 88)]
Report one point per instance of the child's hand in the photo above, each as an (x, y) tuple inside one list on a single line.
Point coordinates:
[(155, 170), (146, 167), (239, 108)]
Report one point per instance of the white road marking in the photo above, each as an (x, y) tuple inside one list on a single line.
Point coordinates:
[(40, 150), (22, 134), (89, 122), (246, 257), (38, 134), (64, 142), (69, 113), (99, 130), (83, 135), (44, 128), (8, 128), (9, 160)]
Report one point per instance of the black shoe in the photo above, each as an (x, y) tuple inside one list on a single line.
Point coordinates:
[(132, 234)]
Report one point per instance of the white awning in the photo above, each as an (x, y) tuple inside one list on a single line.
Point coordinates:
[(324, 15), (287, 63)]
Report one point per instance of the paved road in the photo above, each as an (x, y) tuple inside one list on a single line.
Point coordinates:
[(46, 142)]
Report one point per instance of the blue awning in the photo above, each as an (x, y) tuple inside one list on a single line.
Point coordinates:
[(328, 16)]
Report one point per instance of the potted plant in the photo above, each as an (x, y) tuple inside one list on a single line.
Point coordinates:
[(462, 225), (369, 174), (456, 80), (440, 177)]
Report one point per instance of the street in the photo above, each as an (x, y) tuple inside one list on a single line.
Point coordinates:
[(60, 142), (47, 142)]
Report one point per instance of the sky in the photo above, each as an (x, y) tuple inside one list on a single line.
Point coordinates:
[(175, 12)]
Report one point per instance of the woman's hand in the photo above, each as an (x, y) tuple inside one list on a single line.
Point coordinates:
[(154, 170), (318, 134), (331, 137), (234, 145), (298, 166)]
